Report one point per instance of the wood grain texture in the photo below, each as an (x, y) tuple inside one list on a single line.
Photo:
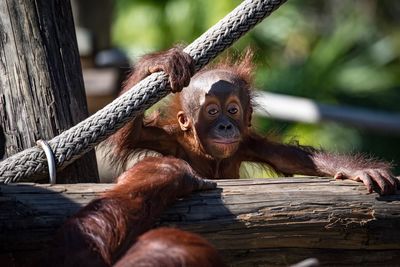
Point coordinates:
[(41, 85), (259, 222)]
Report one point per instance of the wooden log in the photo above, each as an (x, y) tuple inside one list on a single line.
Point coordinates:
[(259, 222), (42, 92)]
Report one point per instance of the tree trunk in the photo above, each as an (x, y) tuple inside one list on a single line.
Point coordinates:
[(261, 222), (42, 91)]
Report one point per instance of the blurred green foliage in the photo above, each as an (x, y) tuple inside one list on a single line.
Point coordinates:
[(333, 51)]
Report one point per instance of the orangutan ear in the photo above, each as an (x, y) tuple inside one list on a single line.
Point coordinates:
[(184, 121)]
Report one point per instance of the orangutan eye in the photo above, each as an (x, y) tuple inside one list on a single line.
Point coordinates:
[(212, 109), (233, 109)]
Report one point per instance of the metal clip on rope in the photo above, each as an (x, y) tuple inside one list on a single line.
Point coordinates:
[(51, 162)]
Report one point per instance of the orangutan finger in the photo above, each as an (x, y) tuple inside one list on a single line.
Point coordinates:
[(366, 179), (380, 181)]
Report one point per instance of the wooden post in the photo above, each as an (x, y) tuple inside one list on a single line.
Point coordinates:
[(2, 143), (260, 222), (41, 85)]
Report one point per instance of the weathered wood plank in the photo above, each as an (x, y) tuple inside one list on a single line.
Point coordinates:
[(259, 222)]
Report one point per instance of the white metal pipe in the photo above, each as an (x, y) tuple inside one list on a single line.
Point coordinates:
[(301, 109)]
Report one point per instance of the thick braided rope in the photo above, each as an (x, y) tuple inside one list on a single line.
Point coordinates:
[(75, 142)]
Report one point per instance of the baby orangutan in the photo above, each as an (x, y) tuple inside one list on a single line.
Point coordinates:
[(209, 126)]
